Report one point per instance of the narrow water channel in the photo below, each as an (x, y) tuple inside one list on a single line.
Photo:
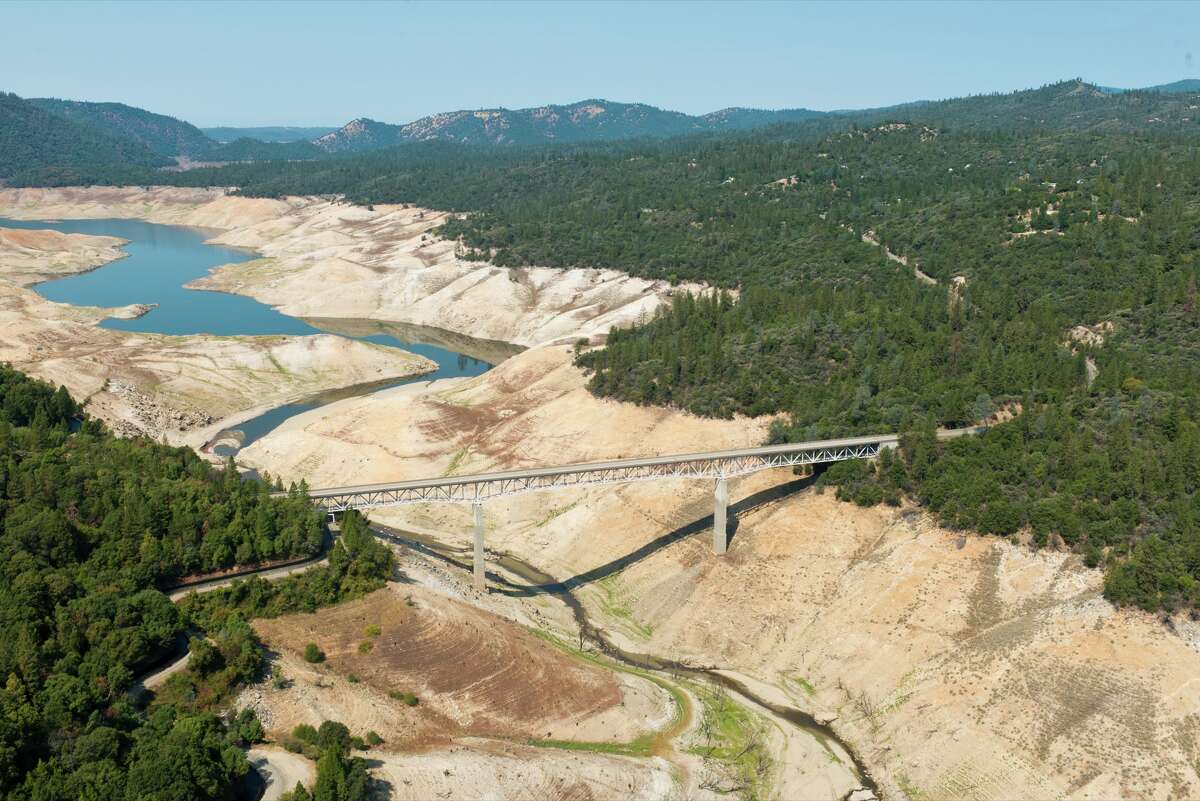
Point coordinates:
[(163, 258), (540, 582)]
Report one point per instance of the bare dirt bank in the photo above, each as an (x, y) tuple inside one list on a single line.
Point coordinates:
[(960, 667), (33, 256), (533, 409), (476, 673), (486, 687), (384, 263)]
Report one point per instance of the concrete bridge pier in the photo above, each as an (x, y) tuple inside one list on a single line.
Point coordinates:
[(480, 582), (720, 507)]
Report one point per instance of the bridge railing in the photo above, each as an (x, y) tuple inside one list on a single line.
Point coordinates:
[(718, 465), (479, 488)]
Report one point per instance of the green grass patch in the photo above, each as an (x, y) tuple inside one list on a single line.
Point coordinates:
[(801, 682), (910, 790), (554, 512), (641, 747), (615, 604), (456, 461), (735, 737), (682, 705), (278, 367)]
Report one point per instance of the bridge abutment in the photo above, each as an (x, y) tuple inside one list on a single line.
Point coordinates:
[(479, 579), (720, 508)]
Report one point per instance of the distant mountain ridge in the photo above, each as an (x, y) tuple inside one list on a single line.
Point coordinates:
[(268, 133), (1186, 85), (169, 137), (590, 120), (56, 136)]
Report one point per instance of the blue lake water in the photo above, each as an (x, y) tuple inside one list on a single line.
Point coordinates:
[(162, 258)]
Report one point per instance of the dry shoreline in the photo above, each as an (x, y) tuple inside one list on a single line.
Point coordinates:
[(158, 385), (385, 263)]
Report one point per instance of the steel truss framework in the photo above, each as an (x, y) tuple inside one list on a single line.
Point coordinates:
[(477, 489)]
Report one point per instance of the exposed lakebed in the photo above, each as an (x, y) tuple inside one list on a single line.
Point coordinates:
[(163, 258)]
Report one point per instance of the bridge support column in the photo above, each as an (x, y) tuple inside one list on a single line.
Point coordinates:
[(480, 581), (720, 506)]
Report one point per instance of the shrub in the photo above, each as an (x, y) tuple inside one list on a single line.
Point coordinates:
[(246, 727), (305, 733), (365, 647), (298, 793), (846, 472), (203, 657), (313, 654), (352, 678), (373, 738), (333, 734), (869, 494), (373, 630), (406, 698)]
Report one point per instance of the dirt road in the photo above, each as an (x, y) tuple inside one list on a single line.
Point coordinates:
[(281, 770)]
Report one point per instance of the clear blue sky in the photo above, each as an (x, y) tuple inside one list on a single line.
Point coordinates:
[(325, 63)]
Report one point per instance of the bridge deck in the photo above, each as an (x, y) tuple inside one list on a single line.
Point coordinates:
[(715, 464)]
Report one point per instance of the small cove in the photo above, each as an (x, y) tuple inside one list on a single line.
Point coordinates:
[(163, 258)]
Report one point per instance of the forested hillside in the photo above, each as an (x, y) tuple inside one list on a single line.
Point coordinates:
[(164, 135), (170, 137), (34, 139), (1073, 106), (91, 528), (584, 121), (1021, 241), (1064, 106)]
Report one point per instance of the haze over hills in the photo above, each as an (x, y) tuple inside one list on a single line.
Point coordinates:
[(1073, 105), (1186, 85), (268, 133), (49, 134), (587, 120)]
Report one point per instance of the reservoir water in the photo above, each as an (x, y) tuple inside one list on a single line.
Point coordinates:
[(162, 258)]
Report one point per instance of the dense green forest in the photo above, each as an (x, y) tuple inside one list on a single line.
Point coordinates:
[(1026, 238), (92, 527), (166, 136), (33, 139)]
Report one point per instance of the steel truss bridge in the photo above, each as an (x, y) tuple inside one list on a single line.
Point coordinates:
[(717, 465)]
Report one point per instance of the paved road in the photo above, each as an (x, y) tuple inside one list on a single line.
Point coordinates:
[(268, 573), (645, 461), (155, 679)]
